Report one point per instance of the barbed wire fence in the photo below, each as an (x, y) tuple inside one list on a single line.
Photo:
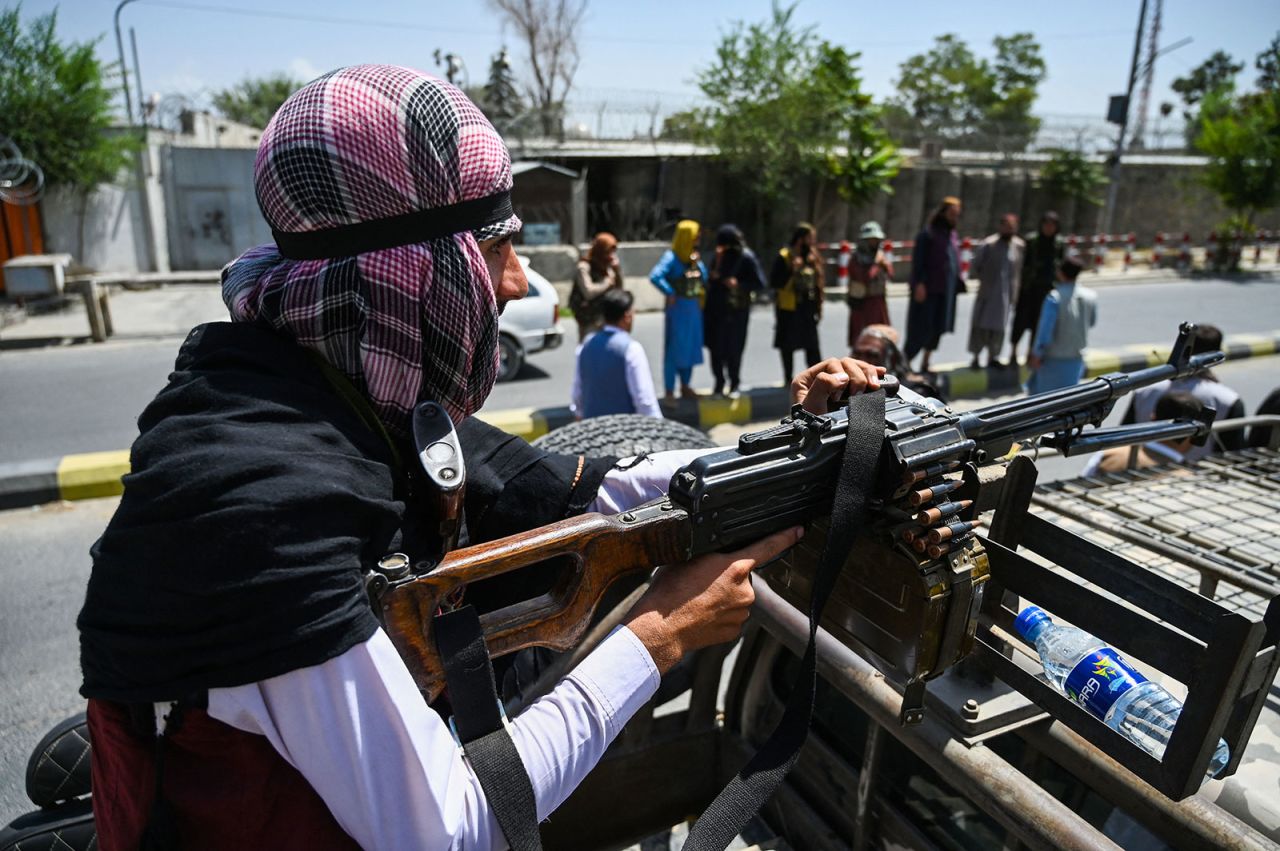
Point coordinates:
[(21, 180), (636, 114)]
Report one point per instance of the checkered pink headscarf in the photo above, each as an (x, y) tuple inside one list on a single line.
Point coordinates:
[(416, 321)]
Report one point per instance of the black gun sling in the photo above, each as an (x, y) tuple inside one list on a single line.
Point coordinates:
[(747, 792), (478, 723)]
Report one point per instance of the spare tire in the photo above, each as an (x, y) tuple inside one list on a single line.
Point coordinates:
[(623, 435)]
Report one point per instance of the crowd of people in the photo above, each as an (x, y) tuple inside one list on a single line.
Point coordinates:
[(1025, 285)]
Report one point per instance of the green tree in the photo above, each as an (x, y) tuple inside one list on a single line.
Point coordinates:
[(687, 125), (951, 94), (1241, 137), (55, 103), (1216, 73), (1268, 65), (254, 100), (501, 99), (785, 106), (1070, 175)]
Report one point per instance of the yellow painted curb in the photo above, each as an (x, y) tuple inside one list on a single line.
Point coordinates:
[(1100, 363), (92, 474), (714, 411), (1258, 344), (528, 423), (1155, 356)]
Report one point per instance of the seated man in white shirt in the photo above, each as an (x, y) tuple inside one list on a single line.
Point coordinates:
[(1206, 387), (1174, 404), (612, 374)]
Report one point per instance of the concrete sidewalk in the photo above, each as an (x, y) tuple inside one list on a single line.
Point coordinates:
[(98, 474)]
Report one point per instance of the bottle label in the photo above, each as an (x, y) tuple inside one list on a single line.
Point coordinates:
[(1098, 680)]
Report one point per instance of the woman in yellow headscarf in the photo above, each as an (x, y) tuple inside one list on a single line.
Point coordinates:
[(681, 276)]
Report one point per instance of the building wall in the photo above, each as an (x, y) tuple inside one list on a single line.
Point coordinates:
[(203, 212), (213, 215)]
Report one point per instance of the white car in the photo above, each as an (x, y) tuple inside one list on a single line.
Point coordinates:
[(528, 325)]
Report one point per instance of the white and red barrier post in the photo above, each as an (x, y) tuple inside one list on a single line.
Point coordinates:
[(1157, 252), (1184, 256), (1129, 243), (1257, 248), (887, 245), (1073, 251), (1211, 251), (966, 257), (842, 269), (1099, 252)]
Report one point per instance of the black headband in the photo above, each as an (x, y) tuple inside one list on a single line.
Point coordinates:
[(407, 229)]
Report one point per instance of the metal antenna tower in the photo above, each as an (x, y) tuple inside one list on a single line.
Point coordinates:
[(1148, 72)]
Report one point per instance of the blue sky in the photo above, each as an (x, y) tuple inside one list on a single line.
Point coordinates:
[(640, 52)]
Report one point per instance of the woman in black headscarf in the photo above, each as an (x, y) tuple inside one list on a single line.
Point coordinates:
[(734, 278)]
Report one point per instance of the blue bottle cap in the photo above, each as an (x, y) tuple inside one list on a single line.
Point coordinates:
[(1028, 619)]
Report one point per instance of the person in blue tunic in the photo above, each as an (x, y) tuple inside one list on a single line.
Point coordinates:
[(1057, 354), (681, 276)]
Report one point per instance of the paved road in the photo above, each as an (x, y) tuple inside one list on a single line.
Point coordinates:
[(44, 564), (83, 398)]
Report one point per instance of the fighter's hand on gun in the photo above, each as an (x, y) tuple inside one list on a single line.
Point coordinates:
[(702, 602), (829, 382)]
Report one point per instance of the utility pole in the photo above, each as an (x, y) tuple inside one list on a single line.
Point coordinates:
[(1113, 189), (124, 67)]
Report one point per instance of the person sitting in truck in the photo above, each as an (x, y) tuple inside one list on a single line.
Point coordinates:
[(1206, 387), (1174, 404), (242, 693)]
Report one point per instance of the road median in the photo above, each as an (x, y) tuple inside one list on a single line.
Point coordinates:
[(98, 474)]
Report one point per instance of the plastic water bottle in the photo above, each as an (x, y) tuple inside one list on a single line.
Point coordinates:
[(1099, 679)]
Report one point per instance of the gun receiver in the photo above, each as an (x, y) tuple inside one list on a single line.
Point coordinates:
[(774, 479)]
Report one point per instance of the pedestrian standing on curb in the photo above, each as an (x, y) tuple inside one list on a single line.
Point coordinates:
[(611, 375), (935, 282), (1045, 250), (598, 272), (681, 276), (734, 278), (869, 273), (1057, 355), (797, 281), (997, 265)]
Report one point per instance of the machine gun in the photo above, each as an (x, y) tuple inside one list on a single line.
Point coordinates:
[(912, 587)]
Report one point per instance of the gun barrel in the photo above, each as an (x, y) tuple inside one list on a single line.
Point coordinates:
[(1070, 407), (1127, 435)]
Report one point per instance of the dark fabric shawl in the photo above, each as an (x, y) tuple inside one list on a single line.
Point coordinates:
[(257, 499)]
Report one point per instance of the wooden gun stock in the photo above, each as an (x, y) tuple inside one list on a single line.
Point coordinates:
[(599, 550)]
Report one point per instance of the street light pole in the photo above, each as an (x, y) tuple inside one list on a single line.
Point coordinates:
[(1113, 189), (124, 67)]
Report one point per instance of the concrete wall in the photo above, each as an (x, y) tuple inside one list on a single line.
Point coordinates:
[(203, 211), (213, 215), (114, 237)]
